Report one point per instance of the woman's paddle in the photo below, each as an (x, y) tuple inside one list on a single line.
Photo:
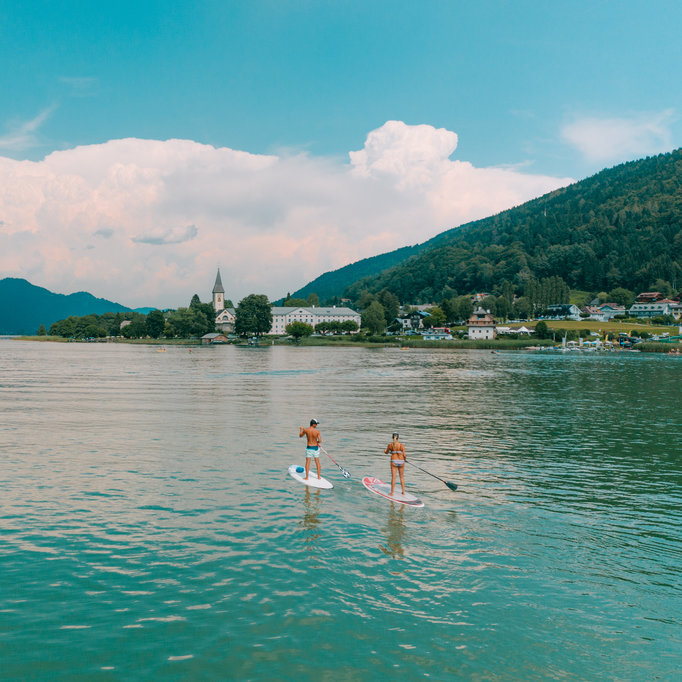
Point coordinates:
[(343, 471), (452, 486)]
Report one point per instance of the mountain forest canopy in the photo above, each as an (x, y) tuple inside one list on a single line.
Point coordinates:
[(619, 228)]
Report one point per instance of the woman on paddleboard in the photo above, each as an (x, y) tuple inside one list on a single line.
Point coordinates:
[(397, 451)]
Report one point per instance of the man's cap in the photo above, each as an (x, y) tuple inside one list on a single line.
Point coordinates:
[(313, 421)]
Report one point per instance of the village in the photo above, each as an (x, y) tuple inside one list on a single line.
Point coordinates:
[(416, 321)]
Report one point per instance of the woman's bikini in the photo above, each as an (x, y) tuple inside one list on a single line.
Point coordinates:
[(396, 462)]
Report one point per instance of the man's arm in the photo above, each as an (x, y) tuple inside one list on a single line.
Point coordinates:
[(301, 432)]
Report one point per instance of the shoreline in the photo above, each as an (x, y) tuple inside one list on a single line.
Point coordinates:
[(541, 345)]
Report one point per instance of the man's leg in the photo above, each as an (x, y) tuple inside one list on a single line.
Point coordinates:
[(317, 463), (307, 466)]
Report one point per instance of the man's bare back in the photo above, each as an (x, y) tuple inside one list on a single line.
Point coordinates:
[(312, 435)]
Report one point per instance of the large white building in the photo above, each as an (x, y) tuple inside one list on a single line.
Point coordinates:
[(283, 315), (481, 325)]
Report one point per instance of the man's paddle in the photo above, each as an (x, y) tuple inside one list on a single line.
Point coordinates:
[(452, 486), (343, 471)]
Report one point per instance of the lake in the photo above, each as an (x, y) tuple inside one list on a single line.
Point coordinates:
[(149, 529)]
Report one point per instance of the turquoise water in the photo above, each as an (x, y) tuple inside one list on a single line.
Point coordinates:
[(148, 528)]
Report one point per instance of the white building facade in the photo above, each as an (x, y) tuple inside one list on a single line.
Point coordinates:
[(283, 315), (481, 325)]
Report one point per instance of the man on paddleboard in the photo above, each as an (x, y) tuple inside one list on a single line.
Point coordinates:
[(397, 451), (312, 446)]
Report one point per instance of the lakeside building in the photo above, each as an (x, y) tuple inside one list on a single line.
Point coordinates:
[(605, 312), (413, 320), (649, 297), (481, 325), (213, 338), (563, 310), (281, 315), (662, 307), (313, 315), (437, 334)]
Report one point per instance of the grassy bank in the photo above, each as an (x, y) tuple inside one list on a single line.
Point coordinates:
[(415, 342), (655, 347), (144, 342), (612, 327)]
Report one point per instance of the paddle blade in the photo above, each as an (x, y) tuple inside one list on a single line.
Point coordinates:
[(452, 486)]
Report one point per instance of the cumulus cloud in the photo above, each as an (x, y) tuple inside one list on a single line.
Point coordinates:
[(147, 222), (605, 140)]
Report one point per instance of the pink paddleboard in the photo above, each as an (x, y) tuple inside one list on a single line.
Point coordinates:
[(384, 489)]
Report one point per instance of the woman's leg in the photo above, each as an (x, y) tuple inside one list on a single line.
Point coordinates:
[(392, 478), (402, 477)]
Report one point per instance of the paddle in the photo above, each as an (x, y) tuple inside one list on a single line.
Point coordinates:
[(452, 486), (343, 471)]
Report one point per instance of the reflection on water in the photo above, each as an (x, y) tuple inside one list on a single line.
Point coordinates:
[(311, 517), (148, 527), (395, 531)]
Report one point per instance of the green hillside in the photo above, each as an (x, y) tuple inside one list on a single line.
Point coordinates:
[(619, 228), (334, 283), (24, 307)]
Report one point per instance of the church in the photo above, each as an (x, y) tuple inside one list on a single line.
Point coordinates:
[(224, 316), (281, 315)]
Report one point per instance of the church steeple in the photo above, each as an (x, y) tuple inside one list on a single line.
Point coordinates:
[(218, 294)]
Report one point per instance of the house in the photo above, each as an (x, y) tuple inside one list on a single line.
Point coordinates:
[(675, 307), (605, 312), (413, 320), (481, 325), (213, 337), (649, 297), (563, 310), (283, 315), (437, 334), (477, 298), (651, 309)]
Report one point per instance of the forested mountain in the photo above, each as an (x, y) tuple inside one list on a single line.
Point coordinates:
[(24, 307), (619, 228), (333, 284)]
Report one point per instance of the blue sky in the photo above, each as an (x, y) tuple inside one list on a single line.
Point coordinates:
[(543, 89), (262, 76)]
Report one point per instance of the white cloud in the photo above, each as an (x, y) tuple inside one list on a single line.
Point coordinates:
[(147, 222), (602, 140), (22, 135)]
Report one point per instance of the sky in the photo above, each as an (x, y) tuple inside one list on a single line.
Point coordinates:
[(145, 144)]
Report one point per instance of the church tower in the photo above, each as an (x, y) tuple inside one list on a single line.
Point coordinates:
[(218, 294)]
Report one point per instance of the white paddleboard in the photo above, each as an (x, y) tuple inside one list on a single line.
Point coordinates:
[(384, 489), (297, 472)]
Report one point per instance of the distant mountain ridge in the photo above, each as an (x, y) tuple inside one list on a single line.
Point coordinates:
[(335, 282), (24, 306), (619, 228)]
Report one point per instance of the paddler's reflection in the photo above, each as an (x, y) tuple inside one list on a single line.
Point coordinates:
[(311, 517), (395, 532)]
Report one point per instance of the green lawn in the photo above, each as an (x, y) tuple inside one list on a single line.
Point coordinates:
[(613, 327)]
